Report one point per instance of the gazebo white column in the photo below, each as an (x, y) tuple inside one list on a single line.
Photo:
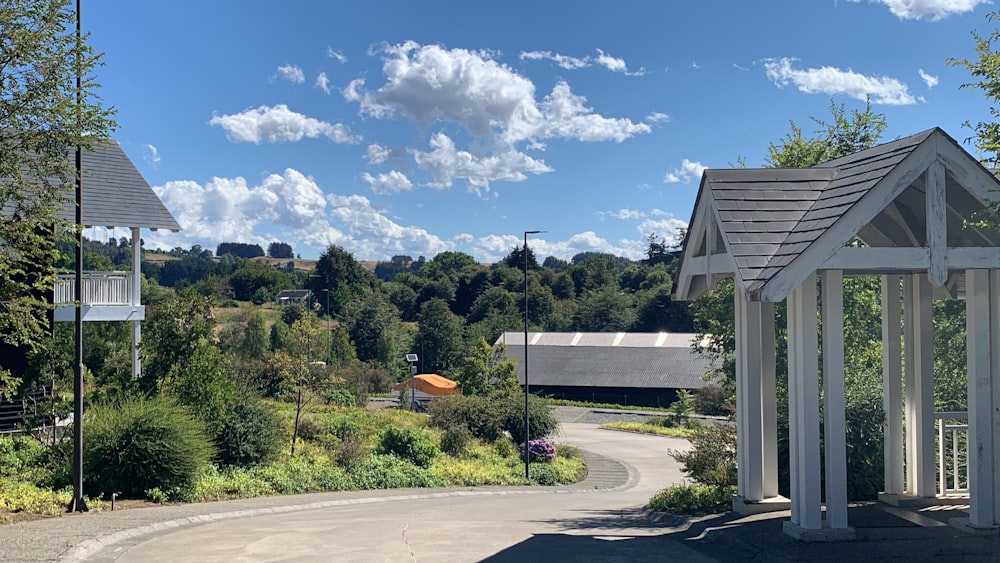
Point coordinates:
[(834, 427), (136, 301), (982, 309), (919, 398), (803, 410), (756, 416), (892, 385)]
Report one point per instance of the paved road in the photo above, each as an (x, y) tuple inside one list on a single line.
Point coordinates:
[(498, 525)]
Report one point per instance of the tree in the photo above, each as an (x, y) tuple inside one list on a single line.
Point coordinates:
[(604, 310), (985, 70), (338, 272), (304, 377), (516, 258), (239, 249), (280, 250), (487, 368), (370, 320), (174, 331), (439, 337), (43, 116)]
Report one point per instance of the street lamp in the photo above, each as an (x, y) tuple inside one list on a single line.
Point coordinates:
[(412, 358), (524, 249)]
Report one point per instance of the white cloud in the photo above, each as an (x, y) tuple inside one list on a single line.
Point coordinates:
[(292, 73), (831, 80), (566, 116), (279, 124), (740, 67), (377, 154), (393, 182), (694, 65), (657, 117), (370, 233), (322, 82), (668, 229), (153, 155), (687, 171), (616, 64), (446, 163), (624, 214), (338, 55), (564, 61), (933, 10), (929, 79), (289, 206)]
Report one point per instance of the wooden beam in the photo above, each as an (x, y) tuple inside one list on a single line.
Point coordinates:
[(878, 259), (981, 440), (920, 403), (719, 264), (769, 400), (892, 384), (892, 212), (834, 428), (937, 223), (804, 406)]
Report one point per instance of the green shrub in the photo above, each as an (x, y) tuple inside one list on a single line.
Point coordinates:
[(476, 412), (391, 472), (137, 444), (341, 398), (250, 435), (310, 428), (415, 446), (489, 416), (715, 400), (18, 454), (693, 498), (543, 473), (712, 457), (455, 439), (505, 448)]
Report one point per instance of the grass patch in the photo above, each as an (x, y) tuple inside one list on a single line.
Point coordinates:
[(693, 499), (646, 428), (585, 404)]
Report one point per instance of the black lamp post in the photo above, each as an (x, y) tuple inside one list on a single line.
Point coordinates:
[(527, 453)]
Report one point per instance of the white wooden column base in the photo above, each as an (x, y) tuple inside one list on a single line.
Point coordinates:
[(818, 534), (770, 504)]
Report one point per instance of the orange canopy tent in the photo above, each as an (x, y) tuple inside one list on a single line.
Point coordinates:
[(430, 383)]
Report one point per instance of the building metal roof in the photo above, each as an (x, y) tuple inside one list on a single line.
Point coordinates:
[(768, 219), (632, 360), (115, 194)]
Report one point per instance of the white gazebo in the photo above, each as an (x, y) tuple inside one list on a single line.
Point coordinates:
[(778, 231)]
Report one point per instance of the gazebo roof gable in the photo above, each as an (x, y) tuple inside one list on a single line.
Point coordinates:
[(772, 227)]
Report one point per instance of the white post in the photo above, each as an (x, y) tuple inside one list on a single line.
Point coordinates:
[(793, 343), (909, 386), (807, 512), (136, 301), (835, 429), (921, 408), (742, 423), (995, 386), (892, 385), (769, 401), (978, 341)]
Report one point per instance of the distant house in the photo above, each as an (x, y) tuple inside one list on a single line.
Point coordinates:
[(642, 369), (289, 296)]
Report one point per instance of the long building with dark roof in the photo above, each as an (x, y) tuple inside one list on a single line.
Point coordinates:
[(642, 369)]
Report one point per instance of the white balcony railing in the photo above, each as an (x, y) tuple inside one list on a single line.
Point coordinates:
[(99, 288), (953, 452)]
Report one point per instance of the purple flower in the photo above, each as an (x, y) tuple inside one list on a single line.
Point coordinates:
[(540, 450)]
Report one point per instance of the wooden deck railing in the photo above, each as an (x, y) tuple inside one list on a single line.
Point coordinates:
[(952, 450), (99, 288)]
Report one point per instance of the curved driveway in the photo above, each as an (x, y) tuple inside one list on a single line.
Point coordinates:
[(522, 524)]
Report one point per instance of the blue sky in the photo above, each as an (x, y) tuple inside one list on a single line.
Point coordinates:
[(417, 127)]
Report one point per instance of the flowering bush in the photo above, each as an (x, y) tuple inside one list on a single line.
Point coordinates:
[(540, 450)]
